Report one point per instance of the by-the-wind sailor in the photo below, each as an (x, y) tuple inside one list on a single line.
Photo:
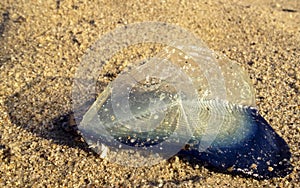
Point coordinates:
[(185, 95)]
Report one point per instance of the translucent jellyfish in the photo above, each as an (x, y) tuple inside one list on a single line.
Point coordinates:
[(187, 96)]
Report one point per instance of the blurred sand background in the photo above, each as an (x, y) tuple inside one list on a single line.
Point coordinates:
[(41, 43)]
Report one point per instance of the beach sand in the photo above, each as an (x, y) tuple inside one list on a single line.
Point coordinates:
[(41, 45)]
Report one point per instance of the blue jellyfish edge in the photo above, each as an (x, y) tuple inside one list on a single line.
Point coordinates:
[(265, 155)]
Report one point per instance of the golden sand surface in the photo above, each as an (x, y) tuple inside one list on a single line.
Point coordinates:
[(42, 42)]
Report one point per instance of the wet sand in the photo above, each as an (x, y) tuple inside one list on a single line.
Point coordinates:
[(41, 46)]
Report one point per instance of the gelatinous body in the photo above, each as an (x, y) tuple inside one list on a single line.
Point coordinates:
[(245, 143)]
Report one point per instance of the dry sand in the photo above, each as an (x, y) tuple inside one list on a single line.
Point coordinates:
[(42, 43)]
